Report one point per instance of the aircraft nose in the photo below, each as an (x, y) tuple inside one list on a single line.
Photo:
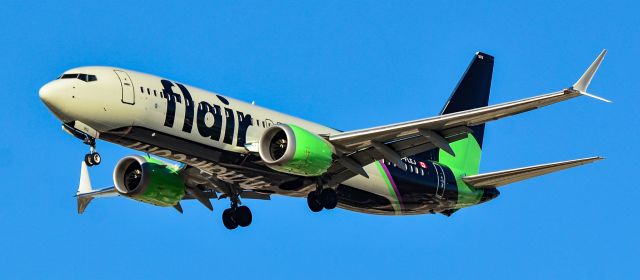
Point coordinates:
[(53, 96), (46, 94)]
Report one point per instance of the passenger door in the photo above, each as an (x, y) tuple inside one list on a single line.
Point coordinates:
[(128, 94), (441, 180)]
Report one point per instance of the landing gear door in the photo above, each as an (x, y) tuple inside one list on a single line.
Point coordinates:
[(128, 95)]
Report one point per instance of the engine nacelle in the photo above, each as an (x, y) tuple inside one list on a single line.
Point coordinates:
[(294, 150), (148, 180)]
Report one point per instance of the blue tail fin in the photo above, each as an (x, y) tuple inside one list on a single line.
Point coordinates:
[(471, 92)]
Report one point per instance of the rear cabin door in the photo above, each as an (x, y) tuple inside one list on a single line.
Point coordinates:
[(442, 180), (128, 95)]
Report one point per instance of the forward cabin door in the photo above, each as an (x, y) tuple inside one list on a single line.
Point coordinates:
[(128, 96)]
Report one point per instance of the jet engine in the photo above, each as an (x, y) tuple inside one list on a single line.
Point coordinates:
[(148, 180), (294, 150)]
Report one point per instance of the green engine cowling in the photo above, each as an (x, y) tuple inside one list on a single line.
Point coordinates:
[(294, 150), (148, 180)]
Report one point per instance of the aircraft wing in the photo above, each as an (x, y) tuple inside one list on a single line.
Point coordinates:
[(392, 142), (200, 185), (501, 178)]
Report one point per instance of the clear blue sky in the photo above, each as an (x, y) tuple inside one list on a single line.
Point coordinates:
[(349, 65)]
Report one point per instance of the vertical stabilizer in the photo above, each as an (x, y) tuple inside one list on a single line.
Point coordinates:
[(471, 92)]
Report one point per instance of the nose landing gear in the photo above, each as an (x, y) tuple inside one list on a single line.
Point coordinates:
[(88, 136), (93, 157)]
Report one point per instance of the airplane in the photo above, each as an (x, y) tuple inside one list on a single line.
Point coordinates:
[(226, 148)]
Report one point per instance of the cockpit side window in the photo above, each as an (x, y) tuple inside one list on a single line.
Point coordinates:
[(69, 76), (82, 77)]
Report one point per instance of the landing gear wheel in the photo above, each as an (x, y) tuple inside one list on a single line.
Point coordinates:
[(92, 159), (312, 201), (329, 199), (96, 158), (227, 219), (243, 216), (88, 160)]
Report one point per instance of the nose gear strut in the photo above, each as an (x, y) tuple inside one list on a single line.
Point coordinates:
[(93, 157)]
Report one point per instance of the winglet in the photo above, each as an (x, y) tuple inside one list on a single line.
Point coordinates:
[(583, 83), (85, 181), (595, 96), (83, 188)]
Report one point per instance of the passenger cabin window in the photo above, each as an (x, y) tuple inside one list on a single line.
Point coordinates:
[(82, 77)]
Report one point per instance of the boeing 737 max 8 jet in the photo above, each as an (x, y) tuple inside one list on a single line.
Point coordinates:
[(231, 149)]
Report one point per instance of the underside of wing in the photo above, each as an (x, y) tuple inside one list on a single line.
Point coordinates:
[(501, 178)]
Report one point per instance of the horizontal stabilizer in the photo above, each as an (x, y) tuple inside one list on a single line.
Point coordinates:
[(501, 178)]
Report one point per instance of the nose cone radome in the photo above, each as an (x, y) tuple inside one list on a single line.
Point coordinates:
[(46, 94), (52, 95)]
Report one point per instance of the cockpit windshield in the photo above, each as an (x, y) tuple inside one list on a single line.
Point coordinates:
[(82, 77)]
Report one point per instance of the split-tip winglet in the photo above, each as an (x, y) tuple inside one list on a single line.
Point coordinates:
[(595, 96), (583, 83)]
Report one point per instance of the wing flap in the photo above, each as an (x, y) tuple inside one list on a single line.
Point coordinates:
[(501, 178)]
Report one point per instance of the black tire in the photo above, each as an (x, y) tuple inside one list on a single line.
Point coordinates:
[(227, 219), (329, 199), (243, 216), (88, 159), (313, 203), (96, 158)]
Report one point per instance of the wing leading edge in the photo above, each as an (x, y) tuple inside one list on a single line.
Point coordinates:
[(361, 138)]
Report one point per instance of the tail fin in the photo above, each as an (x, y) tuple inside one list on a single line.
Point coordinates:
[(471, 92)]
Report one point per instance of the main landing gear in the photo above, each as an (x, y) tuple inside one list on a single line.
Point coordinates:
[(322, 199), (236, 216), (93, 157)]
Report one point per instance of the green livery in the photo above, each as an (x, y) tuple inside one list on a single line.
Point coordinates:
[(236, 150), (465, 162), (305, 153)]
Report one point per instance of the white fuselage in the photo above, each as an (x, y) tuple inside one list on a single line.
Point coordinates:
[(121, 99)]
